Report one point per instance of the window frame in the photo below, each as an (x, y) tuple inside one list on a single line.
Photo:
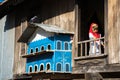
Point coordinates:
[(35, 69), (40, 67), (68, 67), (78, 27), (60, 45), (67, 44), (49, 66), (50, 47), (31, 68), (57, 67), (36, 48)]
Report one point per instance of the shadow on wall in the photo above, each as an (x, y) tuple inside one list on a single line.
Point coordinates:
[(9, 24), (45, 10)]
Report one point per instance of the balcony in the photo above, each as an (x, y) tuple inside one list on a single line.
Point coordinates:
[(84, 50), (86, 56)]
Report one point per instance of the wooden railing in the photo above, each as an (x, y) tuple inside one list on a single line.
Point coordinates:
[(85, 48)]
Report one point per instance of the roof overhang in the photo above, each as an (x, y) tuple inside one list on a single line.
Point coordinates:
[(48, 28), (27, 34)]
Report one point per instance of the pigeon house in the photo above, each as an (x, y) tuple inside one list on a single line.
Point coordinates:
[(48, 48)]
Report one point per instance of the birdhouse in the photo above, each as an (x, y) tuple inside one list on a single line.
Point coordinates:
[(49, 48)]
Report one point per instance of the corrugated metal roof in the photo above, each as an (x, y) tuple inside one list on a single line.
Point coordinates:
[(51, 28), (48, 28)]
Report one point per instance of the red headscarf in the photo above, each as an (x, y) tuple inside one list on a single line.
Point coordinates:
[(95, 34)]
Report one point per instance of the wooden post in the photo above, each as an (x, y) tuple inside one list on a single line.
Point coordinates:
[(86, 49), (81, 49), (76, 28)]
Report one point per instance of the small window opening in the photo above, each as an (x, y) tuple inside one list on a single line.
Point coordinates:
[(48, 66), (58, 67), (41, 68), (66, 46), (35, 68), (58, 45), (67, 67), (49, 47), (30, 69), (42, 48), (31, 50), (36, 49)]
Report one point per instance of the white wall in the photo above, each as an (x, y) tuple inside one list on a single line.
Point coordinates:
[(40, 34), (7, 33)]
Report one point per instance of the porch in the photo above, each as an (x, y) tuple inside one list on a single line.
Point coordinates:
[(86, 60)]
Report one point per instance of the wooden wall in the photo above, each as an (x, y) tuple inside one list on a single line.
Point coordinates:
[(59, 13), (113, 31), (20, 48), (55, 12)]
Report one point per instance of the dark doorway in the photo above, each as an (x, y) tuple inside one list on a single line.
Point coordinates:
[(90, 11)]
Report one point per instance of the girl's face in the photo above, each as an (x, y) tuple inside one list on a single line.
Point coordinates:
[(95, 28)]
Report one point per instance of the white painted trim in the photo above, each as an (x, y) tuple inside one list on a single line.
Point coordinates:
[(54, 54), (39, 34), (47, 64), (57, 43), (37, 67), (58, 63), (29, 68)]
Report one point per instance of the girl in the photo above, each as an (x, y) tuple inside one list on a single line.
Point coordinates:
[(94, 34)]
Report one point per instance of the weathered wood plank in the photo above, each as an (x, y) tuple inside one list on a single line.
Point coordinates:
[(113, 33)]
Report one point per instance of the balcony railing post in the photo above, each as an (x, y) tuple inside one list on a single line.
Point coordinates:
[(100, 47), (81, 50), (86, 49), (94, 47)]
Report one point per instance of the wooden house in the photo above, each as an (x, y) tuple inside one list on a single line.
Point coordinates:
[(49, 48), (72, 16)]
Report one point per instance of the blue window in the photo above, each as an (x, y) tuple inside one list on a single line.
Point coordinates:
[(66, 45), (59, 67), (67, 67), (59, 45)]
